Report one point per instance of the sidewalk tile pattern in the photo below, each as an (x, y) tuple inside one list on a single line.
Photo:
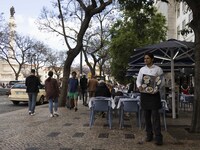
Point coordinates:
[(70, 131)]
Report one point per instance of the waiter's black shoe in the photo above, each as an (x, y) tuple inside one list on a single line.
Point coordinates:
[(149, 138), (159, 142)]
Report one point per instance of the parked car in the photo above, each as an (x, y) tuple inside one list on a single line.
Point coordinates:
[(11, 83), (18, 94), (4, 91)]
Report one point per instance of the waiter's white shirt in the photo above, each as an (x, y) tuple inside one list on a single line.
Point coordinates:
[(154, 70)]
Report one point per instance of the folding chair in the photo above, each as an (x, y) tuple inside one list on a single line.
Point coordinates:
[(129, 106), (136, 95), (186, 101), (101, 105), (163, 112)]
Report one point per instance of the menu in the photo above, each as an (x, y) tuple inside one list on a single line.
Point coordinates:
[(151, 84)]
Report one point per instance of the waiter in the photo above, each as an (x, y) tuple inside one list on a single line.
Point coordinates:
[(150, 101)]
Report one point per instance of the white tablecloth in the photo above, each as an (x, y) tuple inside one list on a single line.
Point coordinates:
[(126, 99), (100, 98), (138, 100), (185, 98)]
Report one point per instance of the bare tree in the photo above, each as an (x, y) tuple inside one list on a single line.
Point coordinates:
[(74, 40), (38, 55), (96, 39), (14, 50), (55, 60)]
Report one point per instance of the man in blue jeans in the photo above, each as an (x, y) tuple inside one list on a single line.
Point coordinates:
[(32, 88)]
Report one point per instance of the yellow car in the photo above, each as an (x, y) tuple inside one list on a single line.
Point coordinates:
[(18, 94)]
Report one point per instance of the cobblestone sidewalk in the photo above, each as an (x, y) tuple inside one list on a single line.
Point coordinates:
[(70, 131)]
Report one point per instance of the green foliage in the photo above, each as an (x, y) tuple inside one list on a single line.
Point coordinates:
[(135, 29)]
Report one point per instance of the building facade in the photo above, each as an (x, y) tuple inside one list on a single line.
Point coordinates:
[(178, 15)]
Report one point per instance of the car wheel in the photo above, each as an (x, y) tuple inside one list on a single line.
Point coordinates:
[(15, 102), (41, 101)]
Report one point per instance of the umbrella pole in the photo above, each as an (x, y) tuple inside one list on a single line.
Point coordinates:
[(173, 87)]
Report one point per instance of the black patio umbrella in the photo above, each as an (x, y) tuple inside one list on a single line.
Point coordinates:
[(170, 55)]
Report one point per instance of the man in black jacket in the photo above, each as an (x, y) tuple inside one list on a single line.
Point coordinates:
[(83, 85), (32, 88)]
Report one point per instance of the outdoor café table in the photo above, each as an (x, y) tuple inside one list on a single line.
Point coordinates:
[(137, 99), (100, 98), (116, 98), (126, 99)]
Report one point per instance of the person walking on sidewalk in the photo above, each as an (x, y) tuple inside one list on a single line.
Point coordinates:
[(83, 85), (32, 88), (73, 90), (151, 102), (92, 84), (52, 94)]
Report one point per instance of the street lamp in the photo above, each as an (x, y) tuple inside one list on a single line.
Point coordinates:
[(81, 63)]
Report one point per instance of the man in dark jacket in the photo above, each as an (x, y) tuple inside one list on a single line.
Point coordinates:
[(32, 88), (83, 85)]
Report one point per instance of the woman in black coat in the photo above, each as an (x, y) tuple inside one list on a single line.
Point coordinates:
[(102, 90)]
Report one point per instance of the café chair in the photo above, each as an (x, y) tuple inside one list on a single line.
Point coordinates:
[(129, 106), (162, 111), (100, 105), (186, 101)]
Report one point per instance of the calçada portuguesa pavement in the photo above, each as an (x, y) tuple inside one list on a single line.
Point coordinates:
[(70, 131)]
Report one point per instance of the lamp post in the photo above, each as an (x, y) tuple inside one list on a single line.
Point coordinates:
[(81, 63)]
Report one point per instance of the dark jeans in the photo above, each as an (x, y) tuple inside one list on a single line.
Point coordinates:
[(32, 101), (84, 95), (152, 121)]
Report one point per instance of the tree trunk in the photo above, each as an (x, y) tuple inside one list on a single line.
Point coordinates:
[(195, 24), (66, 74), (72, 53)]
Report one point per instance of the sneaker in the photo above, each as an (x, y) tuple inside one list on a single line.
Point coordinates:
[(55, 113), (76, 109), (51, 115), (29, 112), (32, 114)]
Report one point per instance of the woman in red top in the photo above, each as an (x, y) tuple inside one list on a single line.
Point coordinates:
[(185, 88)]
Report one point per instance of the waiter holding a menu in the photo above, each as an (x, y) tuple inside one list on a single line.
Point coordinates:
[(148, 82)]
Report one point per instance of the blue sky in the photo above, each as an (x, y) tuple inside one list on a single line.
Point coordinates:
[(26, 13), (28, 8)]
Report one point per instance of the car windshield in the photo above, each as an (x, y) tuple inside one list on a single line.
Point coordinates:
[(19, 86), (13, 82)]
